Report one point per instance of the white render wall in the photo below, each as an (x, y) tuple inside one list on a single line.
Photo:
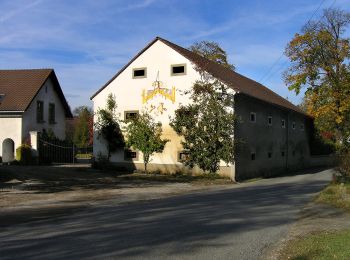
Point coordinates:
[(128, 92), (18, 128), (48, 95), (10, 128)]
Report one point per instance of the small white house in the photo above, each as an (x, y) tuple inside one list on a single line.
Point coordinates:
[(30, 100), (274, 132)]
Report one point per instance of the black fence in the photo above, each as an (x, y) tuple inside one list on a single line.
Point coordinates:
[(57, 151)]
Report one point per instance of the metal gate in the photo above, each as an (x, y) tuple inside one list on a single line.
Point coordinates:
[(57, 151)]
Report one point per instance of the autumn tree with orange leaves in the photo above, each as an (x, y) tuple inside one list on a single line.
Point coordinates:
[(320, 66)]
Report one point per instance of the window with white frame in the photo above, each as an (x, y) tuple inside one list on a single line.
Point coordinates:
[(283, 123), (269, 120), (139, 73), (178, 69)]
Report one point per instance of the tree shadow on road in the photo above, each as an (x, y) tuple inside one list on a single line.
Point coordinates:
[(172, 227)]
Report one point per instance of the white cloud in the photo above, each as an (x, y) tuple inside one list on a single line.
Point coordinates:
[(134, 6), (12, 13)]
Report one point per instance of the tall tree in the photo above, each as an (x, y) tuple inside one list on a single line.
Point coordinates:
[(212, 51), (144, 134), (82, 131), (207, 126), (320, 62), (108, 126)]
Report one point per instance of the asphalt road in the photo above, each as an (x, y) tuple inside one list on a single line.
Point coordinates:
[(230, 223)]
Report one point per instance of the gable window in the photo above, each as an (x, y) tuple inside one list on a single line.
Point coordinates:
[(139, 73), (253, 156), (52, 113), (252, 117), (283, 123), (293, 125), (40, 111), (130, 115), (179, 69), (131, 155), (269, 120), (182, 156)]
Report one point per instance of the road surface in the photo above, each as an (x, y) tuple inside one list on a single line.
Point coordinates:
[(229, 223)]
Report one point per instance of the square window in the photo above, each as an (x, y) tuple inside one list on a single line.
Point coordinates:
[(282, 153), (139, 73), (293, 125), (179, 69), (283, 123), (182, 156), (130, 154), (130, 115), (269, 154), (269, 120), (252, 117), (252, 156)]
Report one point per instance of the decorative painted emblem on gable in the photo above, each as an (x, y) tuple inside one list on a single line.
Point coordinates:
[(158, 89)]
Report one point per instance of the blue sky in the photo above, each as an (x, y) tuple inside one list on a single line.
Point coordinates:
[(87, 42)]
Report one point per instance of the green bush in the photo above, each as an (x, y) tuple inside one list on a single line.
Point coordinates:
[(24, 154)]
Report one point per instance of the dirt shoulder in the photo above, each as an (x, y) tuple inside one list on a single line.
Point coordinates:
[(47, 187), (314, 218)]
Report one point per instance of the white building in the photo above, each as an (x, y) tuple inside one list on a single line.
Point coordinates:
[(156, 78), (30, 100)]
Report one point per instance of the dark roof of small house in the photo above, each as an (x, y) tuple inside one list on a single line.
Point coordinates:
[(20, 87), (236, 81)]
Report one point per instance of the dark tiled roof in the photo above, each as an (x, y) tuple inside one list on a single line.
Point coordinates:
[(238, 82), (21, 86)]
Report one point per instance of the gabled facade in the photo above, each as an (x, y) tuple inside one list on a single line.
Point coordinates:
[(31, 100), (155, 80)]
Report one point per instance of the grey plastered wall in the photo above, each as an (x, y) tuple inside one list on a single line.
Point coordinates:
[(261, 138)]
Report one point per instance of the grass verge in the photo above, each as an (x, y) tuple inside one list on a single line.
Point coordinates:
[(324, 245), (337, 195)]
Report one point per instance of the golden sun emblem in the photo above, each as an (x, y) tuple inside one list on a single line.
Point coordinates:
[(158, 88)]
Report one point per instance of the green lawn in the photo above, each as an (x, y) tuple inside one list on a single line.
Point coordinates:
[(325, 245)]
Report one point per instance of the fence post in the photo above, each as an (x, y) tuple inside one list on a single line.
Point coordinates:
[(73, 154)]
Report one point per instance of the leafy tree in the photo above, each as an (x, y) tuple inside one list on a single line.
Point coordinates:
[(83, 126), (78, 110), (207, 126), (320, 62), (107, 126), (144, 134), (212, 51)]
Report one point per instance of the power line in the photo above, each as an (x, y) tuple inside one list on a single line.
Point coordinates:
[(267, 75)]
